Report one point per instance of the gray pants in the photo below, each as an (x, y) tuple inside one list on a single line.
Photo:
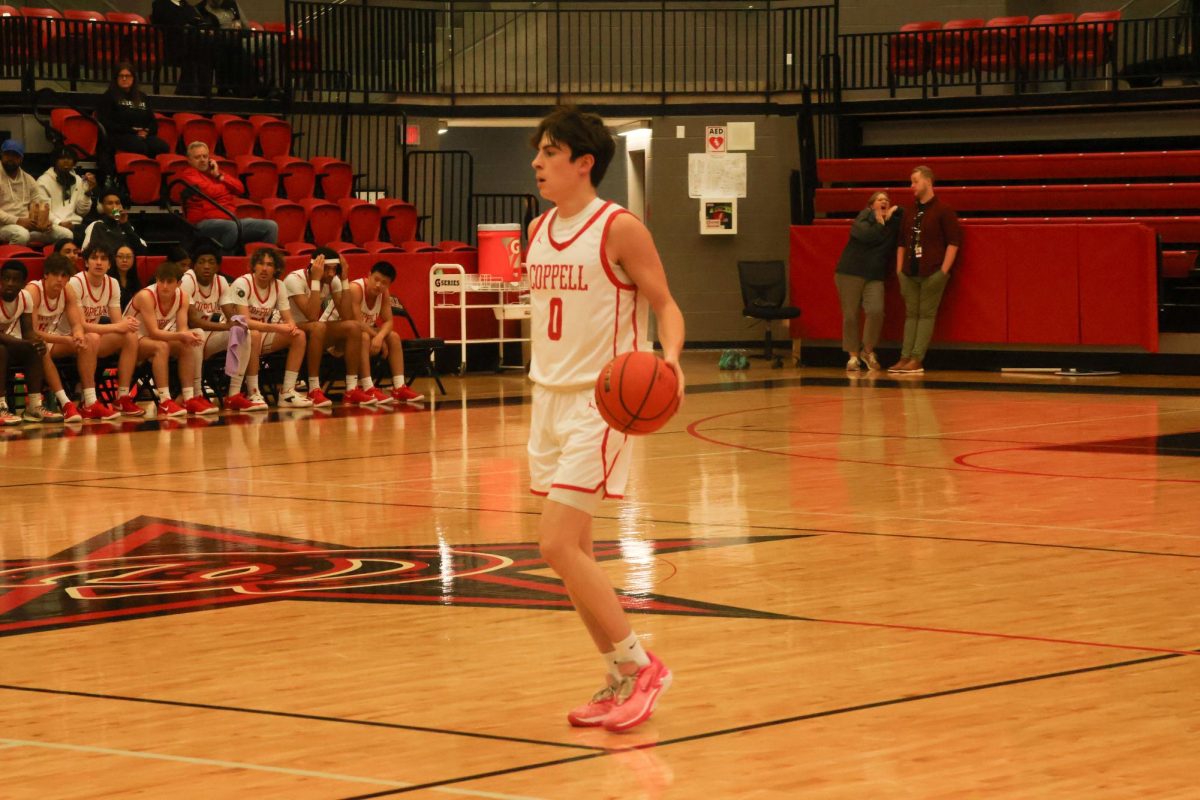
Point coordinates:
[(855, 292), (921, 299), (15, 234), (224, 231)]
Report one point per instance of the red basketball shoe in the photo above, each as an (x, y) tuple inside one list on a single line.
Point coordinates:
[(169, 408), (98, 410), (318, 398), (357, 397), (638, 695), (126, 406), (199, 406), (592, 713), (71, 412), (406, 395)]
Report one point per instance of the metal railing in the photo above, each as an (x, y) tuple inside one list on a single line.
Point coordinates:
[(1023, 57)]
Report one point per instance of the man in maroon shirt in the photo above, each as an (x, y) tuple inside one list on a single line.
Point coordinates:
[(928, 246), (203, 173)]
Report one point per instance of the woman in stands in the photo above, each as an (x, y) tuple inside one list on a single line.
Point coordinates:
[(129, 122), (859, 278), (125, 271)]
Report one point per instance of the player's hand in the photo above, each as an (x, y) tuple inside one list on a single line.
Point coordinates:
[(79, 340), (316, 270), (26, 223), (673, 363), (892, 211), (130, 324), (292, 330), (39, 347), (90, 179), (193, 338)]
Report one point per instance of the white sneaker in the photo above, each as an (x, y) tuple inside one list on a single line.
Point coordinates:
[(853, 364), (257, 402), (294, 400)]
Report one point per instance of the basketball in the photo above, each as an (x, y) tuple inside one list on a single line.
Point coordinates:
[(637, 393)]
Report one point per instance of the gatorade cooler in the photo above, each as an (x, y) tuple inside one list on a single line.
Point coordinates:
[(500, 251)]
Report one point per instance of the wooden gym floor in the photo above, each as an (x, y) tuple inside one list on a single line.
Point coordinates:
[(956, 585)]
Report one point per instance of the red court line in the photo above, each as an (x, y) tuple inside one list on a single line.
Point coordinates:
[(963, 461), (1016, 636)]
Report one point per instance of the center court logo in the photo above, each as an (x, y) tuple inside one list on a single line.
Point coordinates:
[(152, 567)]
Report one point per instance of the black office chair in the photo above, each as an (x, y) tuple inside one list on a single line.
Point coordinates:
[(764, 292)]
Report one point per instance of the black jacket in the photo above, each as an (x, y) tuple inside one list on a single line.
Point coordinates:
[(121, 114), (872, 247)]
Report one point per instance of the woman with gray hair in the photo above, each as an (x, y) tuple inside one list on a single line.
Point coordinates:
[(859, 278)]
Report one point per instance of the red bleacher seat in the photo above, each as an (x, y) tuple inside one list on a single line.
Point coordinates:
[(954, 51), (453, 246), (79, 131), (1033, 199), (139, 43), (251, 247), (8, 251), (289, 216), (908, 52), (1044, 48), (1054, 167), (236, 135), (233, 267), (249, 209), (299, 177), (260, 176), (96, 43), (13, 50), (45, 30), (334, 177), (324, 219), (1178, 263), (195, 128), (362, 219), (345, 248), (227, 165), (143, 178), (399, 219), (1090, 43), (300, 248), (414, 246), (381, 247), (997, 42), (274, 135), (168, 131)]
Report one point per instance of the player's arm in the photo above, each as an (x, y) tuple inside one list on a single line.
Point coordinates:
[(121, 323), (288, 326), (385, 319), (28, 333), (196, 320), (352, 307), (631, 246), (183, 332), (306, 295), (74, 315)]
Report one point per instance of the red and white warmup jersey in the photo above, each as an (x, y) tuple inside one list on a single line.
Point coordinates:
[(47, 313), (206, 302), (11, 313), (167, 317), (585, 311), (95, 303), (370, 311), (296, 283), (262, 304)]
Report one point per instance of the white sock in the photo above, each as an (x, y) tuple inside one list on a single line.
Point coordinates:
[(397, 381), (289, 381), (351, 382), (630, 649), (33, 400), (61, 397), (252, 383), (612, 665), (314, 382), (235, 384), (366, 383), (89, 396), (122, 391), (163, 395), (188, 393)]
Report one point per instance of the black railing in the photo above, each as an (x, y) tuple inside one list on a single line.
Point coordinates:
[(567, 48), (440, 183), (1023, 57), (501, 208)]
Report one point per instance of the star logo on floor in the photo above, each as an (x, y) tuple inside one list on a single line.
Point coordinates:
[(151, 567)]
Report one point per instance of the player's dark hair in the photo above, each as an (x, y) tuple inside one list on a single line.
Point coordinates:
[(58, 264), (385, 269), (168, 271), (263, 254), (583, 133), (330, 255), (13, 265), (207, 250), (96, 248)]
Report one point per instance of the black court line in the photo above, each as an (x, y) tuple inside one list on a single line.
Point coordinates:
[(777, 722), (295, 715)]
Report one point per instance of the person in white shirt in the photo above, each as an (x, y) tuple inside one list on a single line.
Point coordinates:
[(55, 309), (261, 300), (20, 347), (205, 286), (70, 195), (24, 216)]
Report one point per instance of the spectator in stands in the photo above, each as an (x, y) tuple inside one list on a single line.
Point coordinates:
[(24, 207), (70, 251), (204, 174), (124, 269), (129, 122), (177, 255), (923, 261), (188, 32), (112, 229), (69, 194), (859, 277)]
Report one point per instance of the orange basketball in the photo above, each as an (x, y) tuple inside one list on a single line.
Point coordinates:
[(637, 393)]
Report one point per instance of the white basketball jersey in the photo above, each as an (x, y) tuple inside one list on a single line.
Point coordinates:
[(47, 314), (207, 302), (245, 292), (94, 302), (296, 282), (585, 311), (370, 312), (167, 317), (11, 313)]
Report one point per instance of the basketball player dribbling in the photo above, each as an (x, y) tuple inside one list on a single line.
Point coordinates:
[(594, 273)]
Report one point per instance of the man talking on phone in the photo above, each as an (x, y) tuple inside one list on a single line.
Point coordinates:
[(205, 175)]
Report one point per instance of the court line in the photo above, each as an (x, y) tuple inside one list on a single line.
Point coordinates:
[(963, 460), (214, 762), (781, 721), (291, 715)]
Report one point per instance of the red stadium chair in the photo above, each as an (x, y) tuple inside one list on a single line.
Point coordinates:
[(139, 43), (302, 51), (168, 131), (45, 27), (1090, 43), (146, 266), (248, 209), (452, 246), (13, 48), (289, 216), (300, 248), (324, 219), (399, 219), (233, 267), (170, 165), (299, 177), (236, 135), (345, 248), (195, 128), (334, 177), (1044, 48), (362, 218), (8, 251), (143, 178), (252, 247), (227, 165), (996, 47), (274, 135), (381, 247), (88, 39), (78, 131), (954, 51), (417, 247), (908, 51), (260, 176)]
